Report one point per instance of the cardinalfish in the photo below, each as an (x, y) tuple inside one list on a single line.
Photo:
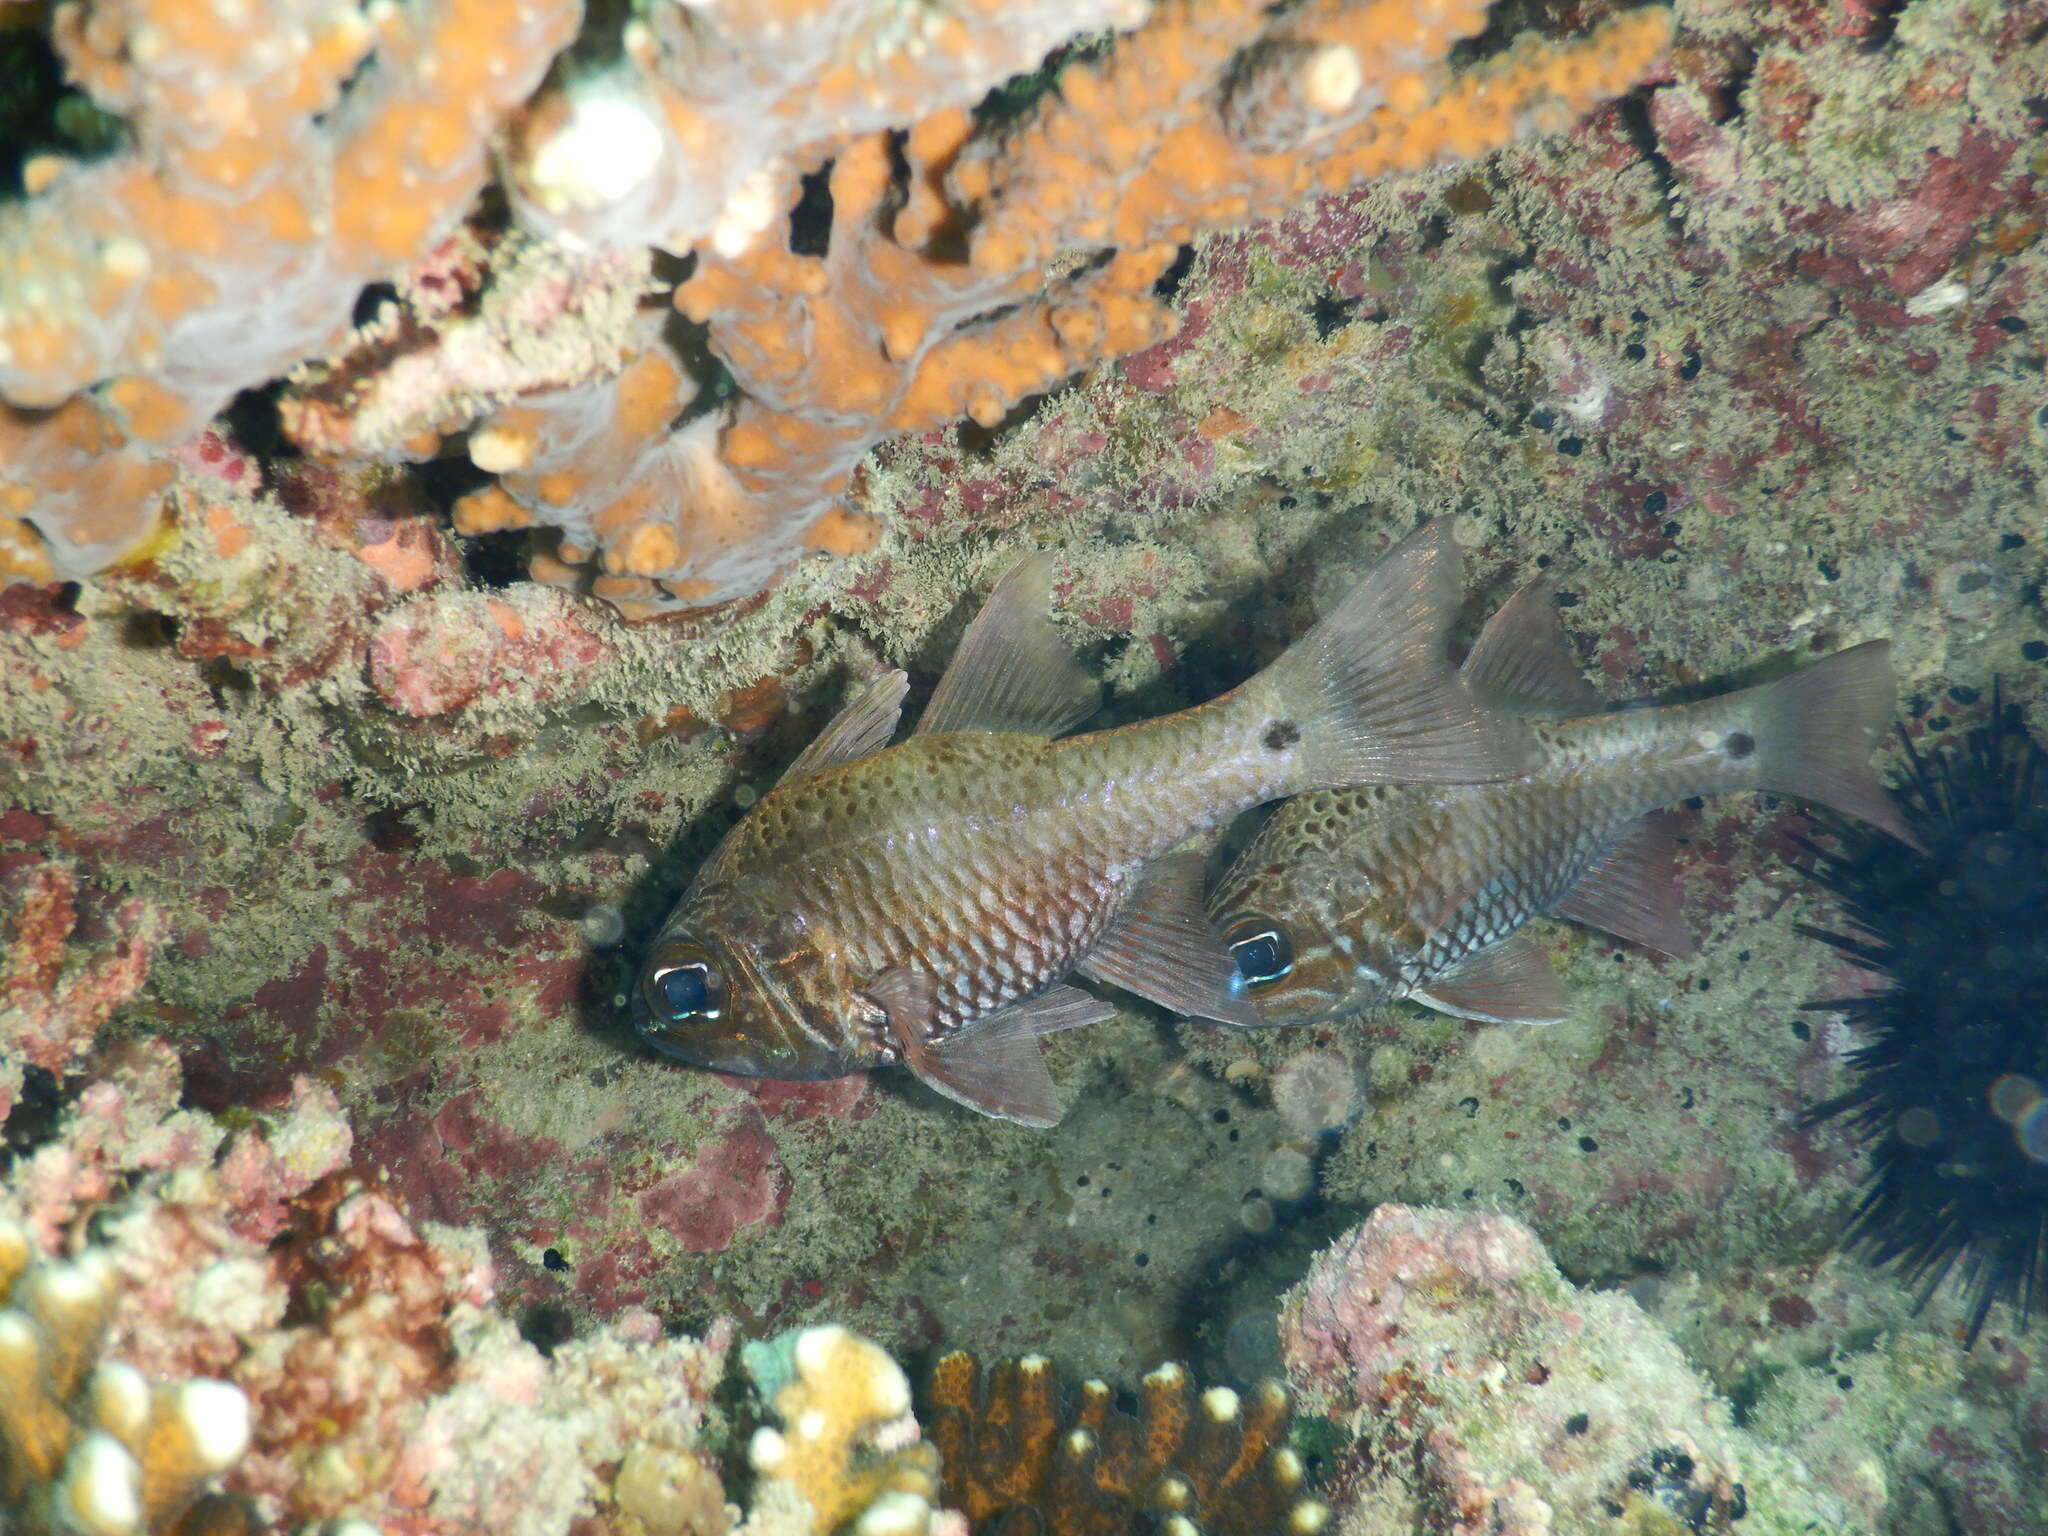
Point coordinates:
[(923, 903), (1353, 897)]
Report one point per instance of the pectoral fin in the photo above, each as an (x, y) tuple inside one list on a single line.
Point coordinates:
[(1014, 671), (993, 1065), (1507, 983), (864, 725), (1163, 947), (1523, 664), (1633, 892)]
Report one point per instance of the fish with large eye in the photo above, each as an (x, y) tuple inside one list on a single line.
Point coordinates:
[(924, 903), (1349, 898)]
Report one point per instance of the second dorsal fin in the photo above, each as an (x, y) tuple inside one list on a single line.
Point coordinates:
[(1014, 671), (863, 725), (1523, 664)]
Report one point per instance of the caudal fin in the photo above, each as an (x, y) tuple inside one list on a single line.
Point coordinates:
[(1371, 688), (1816, 729)]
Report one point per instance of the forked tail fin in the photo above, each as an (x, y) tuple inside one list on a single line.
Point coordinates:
[(1816, 729), (1371, 690)]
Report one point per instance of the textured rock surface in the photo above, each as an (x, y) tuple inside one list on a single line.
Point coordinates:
[(1752, 366)]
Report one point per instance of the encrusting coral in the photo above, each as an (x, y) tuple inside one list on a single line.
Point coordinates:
[(51, 1007), (1183, 1462), (281, 158), (1487, 1391), (969, 265), (959, 264)]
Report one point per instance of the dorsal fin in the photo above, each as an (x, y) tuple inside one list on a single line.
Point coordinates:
[(1163, 947), (1632, 892), (863, 725), (1014, 671), (1511, 982), (1523, 664)]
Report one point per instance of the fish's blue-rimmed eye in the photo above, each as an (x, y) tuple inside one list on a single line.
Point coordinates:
[(683, 990), (681, 985), (1261, 949)]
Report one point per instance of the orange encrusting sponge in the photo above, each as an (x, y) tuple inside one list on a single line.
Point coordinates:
[(1015, 258)]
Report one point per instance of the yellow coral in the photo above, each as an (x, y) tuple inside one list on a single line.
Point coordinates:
[(88, 1445), (848, 1443), (1206, 1464)]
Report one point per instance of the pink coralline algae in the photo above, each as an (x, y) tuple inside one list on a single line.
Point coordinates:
[(356, 1356), (1492, 1398), (736, 1181), (51, 1006), (437, 653)]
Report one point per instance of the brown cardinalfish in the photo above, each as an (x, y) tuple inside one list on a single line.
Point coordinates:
[(1353, 897), (923, 902)]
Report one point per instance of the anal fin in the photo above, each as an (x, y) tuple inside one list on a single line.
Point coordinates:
[(994, 1065), (1163, 947), (1506, 983), (1633, 891)]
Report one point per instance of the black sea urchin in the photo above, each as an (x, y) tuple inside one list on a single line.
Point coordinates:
[(1952, 1078)]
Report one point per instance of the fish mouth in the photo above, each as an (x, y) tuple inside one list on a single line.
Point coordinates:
[(741, 1058), (713, 1055)]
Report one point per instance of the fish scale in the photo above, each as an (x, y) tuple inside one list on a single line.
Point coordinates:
[(990, 870), (922, 902), (1350, 898)]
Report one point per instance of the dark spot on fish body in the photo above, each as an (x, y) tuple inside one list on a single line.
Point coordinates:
[(1739, 744), (1281, 735)]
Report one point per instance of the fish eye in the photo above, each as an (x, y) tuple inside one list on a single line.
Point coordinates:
[(1261, 949), (681, 984)]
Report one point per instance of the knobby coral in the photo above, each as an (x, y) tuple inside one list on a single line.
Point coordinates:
[(91, 1445), (1184, 1462), (848, 1448)]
